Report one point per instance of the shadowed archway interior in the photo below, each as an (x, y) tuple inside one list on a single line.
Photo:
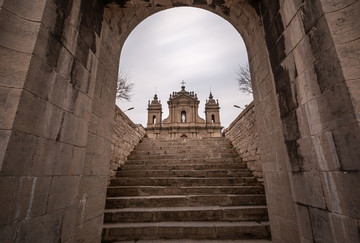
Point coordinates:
[(57, 107)]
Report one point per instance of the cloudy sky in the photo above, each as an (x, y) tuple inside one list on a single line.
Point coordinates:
[(187, 44)]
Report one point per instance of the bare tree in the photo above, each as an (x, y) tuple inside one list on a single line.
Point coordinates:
[(244, 79), (124, 85)]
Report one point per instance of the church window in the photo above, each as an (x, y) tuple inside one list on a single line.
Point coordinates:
[(212, 118), (154, 119), (183, 116)]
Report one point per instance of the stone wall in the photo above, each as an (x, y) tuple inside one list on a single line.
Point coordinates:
[(243, 135), (126, 135), (58, 74)]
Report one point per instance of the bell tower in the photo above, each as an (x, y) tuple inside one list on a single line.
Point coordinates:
[(154, 113), (212, 112)]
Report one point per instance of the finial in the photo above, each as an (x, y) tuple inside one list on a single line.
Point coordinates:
[(183, 83)]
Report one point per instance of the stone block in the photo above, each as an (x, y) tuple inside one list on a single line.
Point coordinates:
[(9, 100), (19, 156), (63, 192), (330, 110), (46, 228), (73, 130), (8, 200), (13, 67), (348, 54), (344, 23), (326, 153), (333, 5), (288, 10), (80, 77), (340, 190), (52, 158), (8, 232), (321, 225), (294, 33), (38, 117), (90, 229), (307, 188), (345, 229), (77, 161), (347, 144), (320, 37), (39, 79), (68, 229), (95, 205), (304, 223), (354, 90), (94, 186), (303, 56), (17, 34), (307, 153), (96, 165), (312, 11), (307, 87), (4, 140), (328, 70), (27, 10)]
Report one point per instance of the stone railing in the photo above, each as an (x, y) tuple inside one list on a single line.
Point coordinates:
[(243, 135), (126, 135)]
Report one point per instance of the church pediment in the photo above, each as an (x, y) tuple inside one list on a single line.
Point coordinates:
[(183, 99)]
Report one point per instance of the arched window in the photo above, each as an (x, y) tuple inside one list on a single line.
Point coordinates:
[(183, 116), (154, 119), (212, 118)]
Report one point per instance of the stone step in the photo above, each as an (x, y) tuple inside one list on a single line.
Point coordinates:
[(204, 213), (190, 241), (206, 161), (184, 173), (185, 200), (190, 149), (180, 166), (183, 156), (187, 229), (117, 191), (183, 181)]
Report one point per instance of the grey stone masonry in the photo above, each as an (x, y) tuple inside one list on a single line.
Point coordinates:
[(126, 135), (59, 61), (243, 135)]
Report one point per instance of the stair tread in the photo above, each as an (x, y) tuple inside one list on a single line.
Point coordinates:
[(194, 208), (184, 196), (186, 224)]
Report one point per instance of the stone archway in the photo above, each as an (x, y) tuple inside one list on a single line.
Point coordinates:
[(57, 102)]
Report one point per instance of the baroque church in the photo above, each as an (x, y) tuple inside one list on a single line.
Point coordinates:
[(183, 120)]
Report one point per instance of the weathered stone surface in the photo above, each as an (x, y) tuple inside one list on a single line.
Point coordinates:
[(315, 43), (63, 192), (242, 133), (18, 34), (126, 135)]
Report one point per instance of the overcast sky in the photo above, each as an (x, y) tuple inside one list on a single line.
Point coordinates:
[(187, 44)]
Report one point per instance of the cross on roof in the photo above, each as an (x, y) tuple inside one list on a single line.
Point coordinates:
[(183, 83)]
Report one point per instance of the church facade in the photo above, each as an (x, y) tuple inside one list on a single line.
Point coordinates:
[(183, 120)]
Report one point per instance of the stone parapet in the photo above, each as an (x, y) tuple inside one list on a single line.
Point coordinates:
[(126, 135), (243, 135)]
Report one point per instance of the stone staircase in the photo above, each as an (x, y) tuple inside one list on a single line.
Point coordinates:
[(184, 190)]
